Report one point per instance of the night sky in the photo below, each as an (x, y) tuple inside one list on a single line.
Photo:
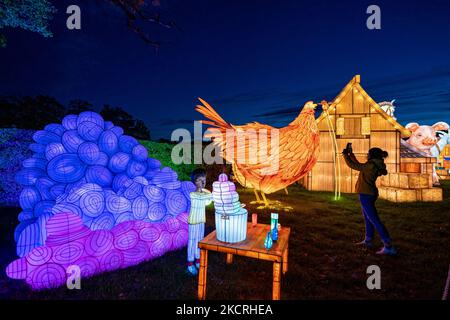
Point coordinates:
[(252, 60)]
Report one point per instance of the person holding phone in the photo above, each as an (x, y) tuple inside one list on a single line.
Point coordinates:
[(368, 194)]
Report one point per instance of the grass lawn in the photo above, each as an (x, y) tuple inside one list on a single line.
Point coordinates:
[(324, 263)]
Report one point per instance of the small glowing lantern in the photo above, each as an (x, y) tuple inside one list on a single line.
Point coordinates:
[(231, 218), (274, 226), (268, 241)]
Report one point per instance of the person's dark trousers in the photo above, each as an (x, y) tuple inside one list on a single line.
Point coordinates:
[(372, 220)]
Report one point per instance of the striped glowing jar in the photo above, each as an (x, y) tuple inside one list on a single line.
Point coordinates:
[(232, 228)]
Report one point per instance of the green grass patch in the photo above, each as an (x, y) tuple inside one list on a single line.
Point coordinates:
[(163, 151)]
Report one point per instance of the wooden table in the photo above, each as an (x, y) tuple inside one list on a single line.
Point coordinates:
[(253, 247)]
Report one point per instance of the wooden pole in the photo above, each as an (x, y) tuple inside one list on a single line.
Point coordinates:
[(285, 260), (276, 281), (229, 258), (202, 274)]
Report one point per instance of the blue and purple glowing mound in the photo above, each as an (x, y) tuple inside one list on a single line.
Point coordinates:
[(89, 168)]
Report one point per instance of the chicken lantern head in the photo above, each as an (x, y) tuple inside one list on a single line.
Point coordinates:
[(309, 106)]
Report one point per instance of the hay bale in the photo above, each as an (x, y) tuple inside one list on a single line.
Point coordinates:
[(68, 253), (89, 152), (66, 168), (140, 153), (92, 203), (89, 131), (121, 181), (105, 221), (136, 168), (154, 193), (37, 147), (108, 142), (50, 275), (137, 254), (175, 202), (127, 143), (99, 242), (69, 122), (35, 163), (156, 211), (119, 162), (431, 194), (111, 260), (117, 204), (28, 198), (40, 255), (43, 185), (102, 160), (125, 240), (133, 191), (90, 116), (29, 176), (118, 131), (43, 207), (54, 149), (153, 164), (45, 137), (140, 207), (71, 140), (29, 239), (55, 128), (99, 175), (25, 216), (88, 266)]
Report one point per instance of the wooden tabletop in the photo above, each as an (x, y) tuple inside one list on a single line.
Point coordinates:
[(253, 245)]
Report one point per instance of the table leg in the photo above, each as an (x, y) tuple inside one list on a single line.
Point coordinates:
[(202, 274), (285, 259), (276, 281), (229, 258)]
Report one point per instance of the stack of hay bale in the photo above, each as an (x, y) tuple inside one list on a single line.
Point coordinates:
[(88, 167)]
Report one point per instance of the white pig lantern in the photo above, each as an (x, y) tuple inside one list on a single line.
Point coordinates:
[(424, 138)]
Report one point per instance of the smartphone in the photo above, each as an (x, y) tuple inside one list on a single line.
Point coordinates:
[(349, 147)]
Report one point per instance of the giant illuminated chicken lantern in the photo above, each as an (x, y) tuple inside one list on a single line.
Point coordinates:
[(296, 150), (93, 198)]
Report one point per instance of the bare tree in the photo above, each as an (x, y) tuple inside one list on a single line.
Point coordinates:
[(142, 11)]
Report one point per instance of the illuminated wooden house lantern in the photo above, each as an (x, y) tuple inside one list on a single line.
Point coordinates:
[(353, 116), (443, 170)]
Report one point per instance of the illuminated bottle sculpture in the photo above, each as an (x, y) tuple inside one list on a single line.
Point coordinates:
[(231, 218), (268, 241), (274, 226)]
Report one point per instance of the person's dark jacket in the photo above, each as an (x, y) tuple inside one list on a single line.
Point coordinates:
[(369, 172)]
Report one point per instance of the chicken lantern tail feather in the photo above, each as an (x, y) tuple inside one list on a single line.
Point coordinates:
[(211, 114)]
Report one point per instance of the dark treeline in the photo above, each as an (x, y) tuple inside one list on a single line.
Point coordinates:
[(36, 112)]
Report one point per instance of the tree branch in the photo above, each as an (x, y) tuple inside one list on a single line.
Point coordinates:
[(135, 11)]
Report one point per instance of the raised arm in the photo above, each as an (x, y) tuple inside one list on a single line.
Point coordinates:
[(352, 162)]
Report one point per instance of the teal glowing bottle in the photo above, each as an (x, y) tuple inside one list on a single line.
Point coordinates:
[(268, 241), (275, 233), (274, 226)]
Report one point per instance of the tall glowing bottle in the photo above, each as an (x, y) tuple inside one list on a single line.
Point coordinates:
[(274, 226)]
